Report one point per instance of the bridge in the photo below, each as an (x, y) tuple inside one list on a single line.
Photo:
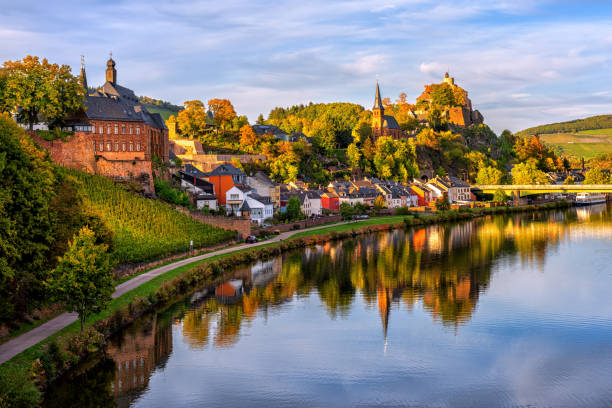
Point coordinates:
[(527, 189)]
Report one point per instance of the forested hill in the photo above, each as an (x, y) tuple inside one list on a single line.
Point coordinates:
[(165, 109), (593, 122)]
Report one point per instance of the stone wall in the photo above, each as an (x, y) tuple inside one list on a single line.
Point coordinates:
[(240, 224), (311, 222)]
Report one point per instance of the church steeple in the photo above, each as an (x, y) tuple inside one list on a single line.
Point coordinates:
[(111, 72), (377, 99), (378, 111), (82, 75)]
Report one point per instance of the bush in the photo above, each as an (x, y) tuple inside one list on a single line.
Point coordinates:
[(17, 390), (171, 195), (402, 211)]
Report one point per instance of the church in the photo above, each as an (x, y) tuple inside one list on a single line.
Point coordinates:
[(383, 125)]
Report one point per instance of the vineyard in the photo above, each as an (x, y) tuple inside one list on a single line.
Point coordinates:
[(144, 229)]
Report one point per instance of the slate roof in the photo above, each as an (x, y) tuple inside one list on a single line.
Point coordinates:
[(225, 169), (390, 122), (115, 102)]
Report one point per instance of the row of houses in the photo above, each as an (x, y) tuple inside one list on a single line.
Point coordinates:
[(259, 198)]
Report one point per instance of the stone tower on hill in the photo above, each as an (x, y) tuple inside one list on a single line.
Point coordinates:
[(460, 113), (383, 125)]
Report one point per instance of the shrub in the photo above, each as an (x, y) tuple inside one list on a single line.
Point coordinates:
[(17, 390)]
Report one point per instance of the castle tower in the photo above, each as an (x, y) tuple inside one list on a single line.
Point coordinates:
[(378, 111), (448, 80), (111, 72), (82, 75)]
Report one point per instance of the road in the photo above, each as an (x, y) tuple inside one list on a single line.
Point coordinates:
[(30, 338)]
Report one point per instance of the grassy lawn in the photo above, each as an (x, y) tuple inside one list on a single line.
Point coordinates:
[(393, 219), (587, 143)]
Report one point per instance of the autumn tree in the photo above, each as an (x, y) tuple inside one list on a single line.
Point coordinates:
[(379, 204), (192, 120), (40, 90), (83, 278), (248, 138), (489, 176), (596, 176), (500, 196), (223, 112), (527, 173), (354, 156)]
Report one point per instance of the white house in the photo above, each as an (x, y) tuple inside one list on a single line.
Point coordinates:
[(242, 201), (206, 200), (311, 202)]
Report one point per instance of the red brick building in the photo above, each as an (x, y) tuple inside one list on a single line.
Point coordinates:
[(115, 136), (384, 125)]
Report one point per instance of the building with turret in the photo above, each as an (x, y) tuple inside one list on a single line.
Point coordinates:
[(114, 135), (383, 125)]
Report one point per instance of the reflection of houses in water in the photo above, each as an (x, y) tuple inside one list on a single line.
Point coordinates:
[(136, 356), (460, 234), (229, 292)]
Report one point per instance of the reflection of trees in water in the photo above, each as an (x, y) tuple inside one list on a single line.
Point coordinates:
[(443, 267)]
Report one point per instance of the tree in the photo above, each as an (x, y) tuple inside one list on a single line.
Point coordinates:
[(192, 120), (489, 176), (346, 211), (379, 204), (223, 112), (596, 176), (442, 94), (294, 209), (569, 180), (248, 138), (354, 156), (528, 173), (261, 120), (83, 278), (42, 90), (442, 203), (500, 196)]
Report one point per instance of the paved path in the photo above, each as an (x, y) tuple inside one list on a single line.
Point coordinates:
[(30, 338)]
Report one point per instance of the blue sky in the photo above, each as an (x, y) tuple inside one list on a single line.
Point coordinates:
[(523, 62)]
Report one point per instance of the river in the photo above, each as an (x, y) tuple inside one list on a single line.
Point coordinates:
[(499, 311)]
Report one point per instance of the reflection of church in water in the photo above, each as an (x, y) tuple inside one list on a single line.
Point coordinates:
[(137, 354)]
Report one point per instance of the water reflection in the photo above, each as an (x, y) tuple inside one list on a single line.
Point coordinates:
[(441, 271)]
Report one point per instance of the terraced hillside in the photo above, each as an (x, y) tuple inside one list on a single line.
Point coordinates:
[(586, 143)]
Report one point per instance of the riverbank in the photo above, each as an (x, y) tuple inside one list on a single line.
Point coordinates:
[(63, 349)]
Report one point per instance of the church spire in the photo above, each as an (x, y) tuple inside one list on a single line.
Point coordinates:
[(377, 100), (82, 75)]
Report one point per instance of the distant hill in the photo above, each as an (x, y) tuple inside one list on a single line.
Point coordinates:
[(165, 109), (572, 126)]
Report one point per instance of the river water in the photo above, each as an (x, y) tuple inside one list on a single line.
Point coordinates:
[(500, 311)]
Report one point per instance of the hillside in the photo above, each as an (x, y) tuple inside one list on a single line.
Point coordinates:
[(143, 229), (165, 109), (572, 126)]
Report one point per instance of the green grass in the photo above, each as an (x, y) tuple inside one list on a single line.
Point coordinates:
[(392, 219), (606, 132), (165, 113), (587, 143)]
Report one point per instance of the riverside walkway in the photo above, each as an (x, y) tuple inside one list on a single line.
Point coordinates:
[(32, 337)]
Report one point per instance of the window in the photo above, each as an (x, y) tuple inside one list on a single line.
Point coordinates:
[(93, 129), (94, 146), (109, 146), (137, 130), (131, 146), (108, 129), (123, 146), (123, 129), (101, 146), (234, 196), (137, 147), (131, 129), (101, 129), (116, 129), (116, 146)]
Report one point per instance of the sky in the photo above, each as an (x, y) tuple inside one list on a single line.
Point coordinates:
[(524, 62)]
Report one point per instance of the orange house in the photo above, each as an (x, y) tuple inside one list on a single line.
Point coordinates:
[(424, 194), (225, 177)]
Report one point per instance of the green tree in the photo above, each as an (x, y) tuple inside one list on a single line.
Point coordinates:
[(528, 173), (260, 120), (294, 208), (489, 176), (500, 196), (442, 203), (40, 90), (346, 211), (83, 278), (192, 120), (442, 94), (354, 156), (596, 176)]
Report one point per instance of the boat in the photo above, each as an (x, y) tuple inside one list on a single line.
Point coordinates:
[(590, 198)]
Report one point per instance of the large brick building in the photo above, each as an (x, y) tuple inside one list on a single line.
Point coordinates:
[(115, 135)]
